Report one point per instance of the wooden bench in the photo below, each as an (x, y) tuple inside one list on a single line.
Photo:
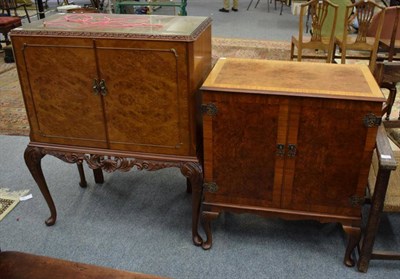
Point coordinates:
[(181, 4), (22, 265)]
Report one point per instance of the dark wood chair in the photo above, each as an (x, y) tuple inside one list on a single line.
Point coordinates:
[(7, 23), (386, 164), (384, 72), (360, 45), (12, 5), (318, 11), (389, 45), (17, 265), (387, 75)]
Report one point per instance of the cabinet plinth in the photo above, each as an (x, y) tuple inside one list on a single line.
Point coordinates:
[(289, 139), (116, 85)]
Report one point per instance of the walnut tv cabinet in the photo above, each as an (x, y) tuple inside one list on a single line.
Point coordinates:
[(289, 139), (115, 91)]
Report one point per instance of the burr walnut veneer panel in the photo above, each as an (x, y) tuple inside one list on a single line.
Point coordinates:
[(289, 139), (116, 91)]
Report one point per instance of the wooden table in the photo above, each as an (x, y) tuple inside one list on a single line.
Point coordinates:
[(115, 91), (288, 139)]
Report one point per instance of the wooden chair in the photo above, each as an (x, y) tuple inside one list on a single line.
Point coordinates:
[(360, 42), (9, 5), (390, 33), (386, 71), (391, 45), (318, 11), (7, 23), (387, 75)]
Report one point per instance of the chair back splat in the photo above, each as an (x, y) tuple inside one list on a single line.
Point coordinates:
[(364, 14), (318, 13)]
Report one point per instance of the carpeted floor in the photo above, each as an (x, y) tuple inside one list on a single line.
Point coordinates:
[(13, 120)]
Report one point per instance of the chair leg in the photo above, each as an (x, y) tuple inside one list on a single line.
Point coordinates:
[(299, 54), (27, 15), (292, 51), (248, 7), (343, 57), (333, 53), (6, 40), (390, 100)]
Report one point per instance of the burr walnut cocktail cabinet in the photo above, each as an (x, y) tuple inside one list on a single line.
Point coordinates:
[(116, 91), (289, 139)]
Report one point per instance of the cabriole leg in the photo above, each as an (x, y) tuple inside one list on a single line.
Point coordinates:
[(33, 157), (354, 235), (206, 218), (194, 174)]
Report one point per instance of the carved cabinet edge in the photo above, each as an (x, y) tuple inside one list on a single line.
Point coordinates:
[(110, 163)]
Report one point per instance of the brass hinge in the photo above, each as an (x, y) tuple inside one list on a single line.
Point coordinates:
[(209, 109), (371, 120), (211, 187), (356, 200)]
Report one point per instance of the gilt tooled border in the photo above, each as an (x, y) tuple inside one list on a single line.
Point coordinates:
[(62, 33)]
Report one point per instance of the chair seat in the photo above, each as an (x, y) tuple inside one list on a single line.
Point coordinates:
[(323, 44), (9, 22), (351, 43)]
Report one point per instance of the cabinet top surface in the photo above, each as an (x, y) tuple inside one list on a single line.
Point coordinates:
[(185, 28), (338, 81)]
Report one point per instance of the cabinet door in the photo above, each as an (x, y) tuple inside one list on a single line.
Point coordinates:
[(57, 79), (240, 149), (146, 104), (333, 155)]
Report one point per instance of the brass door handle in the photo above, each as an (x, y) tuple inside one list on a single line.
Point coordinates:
[(103, 88), (95, 87)]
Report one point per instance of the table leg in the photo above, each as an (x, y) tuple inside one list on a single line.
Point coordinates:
[(207, 217), (98, 176), (83, 182), (33, 157), (194, 173)]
